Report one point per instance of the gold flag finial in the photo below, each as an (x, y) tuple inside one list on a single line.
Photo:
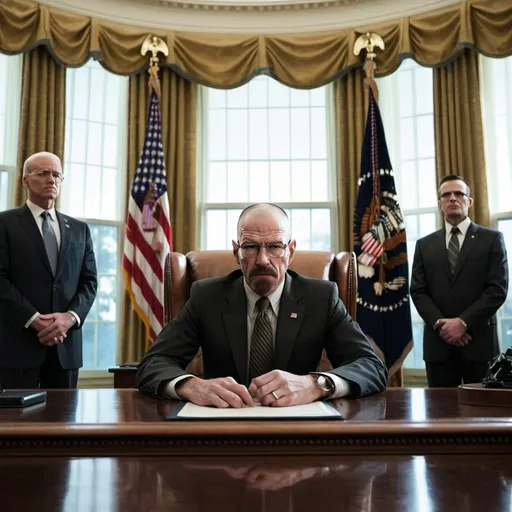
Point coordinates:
[(368, 42), (155, 45)]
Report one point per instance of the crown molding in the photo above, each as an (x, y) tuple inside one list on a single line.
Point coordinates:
[(256, 5), (247, 16)]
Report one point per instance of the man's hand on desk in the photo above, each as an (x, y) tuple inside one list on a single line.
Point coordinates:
[(279, 388), (222, 393)]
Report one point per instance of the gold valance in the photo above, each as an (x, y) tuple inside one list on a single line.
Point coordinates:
[(228, 60)]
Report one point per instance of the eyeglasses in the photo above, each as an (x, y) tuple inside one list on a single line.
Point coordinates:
[(250, 250), (46, 173), (457, 194)]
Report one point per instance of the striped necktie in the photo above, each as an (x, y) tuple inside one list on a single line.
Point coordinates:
[(453, 248), (262, 346), (50, 241)]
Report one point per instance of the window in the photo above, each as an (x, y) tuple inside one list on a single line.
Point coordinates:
[(10, 92), (407, 107), (268, 142), (497, 109), (93, 191)]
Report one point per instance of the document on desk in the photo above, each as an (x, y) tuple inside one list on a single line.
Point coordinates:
[(314, 411)]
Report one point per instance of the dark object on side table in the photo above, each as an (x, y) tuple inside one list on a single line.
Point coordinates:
[(499, 372)]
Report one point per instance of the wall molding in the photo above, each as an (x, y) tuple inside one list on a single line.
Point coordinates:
[(249, 16)]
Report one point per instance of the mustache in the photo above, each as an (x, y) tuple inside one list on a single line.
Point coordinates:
[(258, 271)]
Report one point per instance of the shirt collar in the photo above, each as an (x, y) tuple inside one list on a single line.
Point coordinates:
[(37, 210), (463, 226), (274, 297)]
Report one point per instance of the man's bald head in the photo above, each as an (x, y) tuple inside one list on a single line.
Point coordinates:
[(264, 213), (42, 156), (264, 248)]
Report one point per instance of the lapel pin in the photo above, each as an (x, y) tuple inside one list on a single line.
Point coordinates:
[(293, 315)]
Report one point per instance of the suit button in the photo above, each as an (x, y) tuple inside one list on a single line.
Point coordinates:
[(55, 286)]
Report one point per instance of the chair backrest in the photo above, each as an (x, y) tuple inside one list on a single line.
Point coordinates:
[(181, 271)]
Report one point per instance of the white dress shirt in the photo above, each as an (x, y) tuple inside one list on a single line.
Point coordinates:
[(36, 212), (463, 228), (341, 386)]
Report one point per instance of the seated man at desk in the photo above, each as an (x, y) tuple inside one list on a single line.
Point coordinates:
[(262, 330)]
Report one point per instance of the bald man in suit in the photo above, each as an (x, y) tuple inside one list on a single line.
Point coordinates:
[(262, 330), (47, 284)]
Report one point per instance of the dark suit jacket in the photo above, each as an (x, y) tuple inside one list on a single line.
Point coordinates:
[(27, 285), (474, 292), (215, 318)]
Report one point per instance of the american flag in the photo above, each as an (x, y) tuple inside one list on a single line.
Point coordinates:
[(148, 228), (380, 243)]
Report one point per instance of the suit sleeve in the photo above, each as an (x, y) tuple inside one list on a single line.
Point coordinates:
[(84, 297), (173, 349), (496, 286), (420, 292), (350, 352), (15, 308)]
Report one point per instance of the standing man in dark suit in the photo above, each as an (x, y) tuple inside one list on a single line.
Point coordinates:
[(262, 330), (47, 284), (459, 281)]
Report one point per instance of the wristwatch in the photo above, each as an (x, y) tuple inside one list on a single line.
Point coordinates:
[(325, 384)]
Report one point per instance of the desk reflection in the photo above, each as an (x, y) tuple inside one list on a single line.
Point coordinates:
[(270, 484)]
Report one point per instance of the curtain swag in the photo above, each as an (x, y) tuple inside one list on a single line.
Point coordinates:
[(228, 60)]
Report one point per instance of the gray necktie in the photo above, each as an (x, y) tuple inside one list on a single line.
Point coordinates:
[(50, 241), (453, 248), (262, 347)]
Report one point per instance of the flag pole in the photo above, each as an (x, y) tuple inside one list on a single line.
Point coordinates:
[(155, 45), (380, 242), (368, 42), (148, 230)]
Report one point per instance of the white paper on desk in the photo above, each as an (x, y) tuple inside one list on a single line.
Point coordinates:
[(314, 410)]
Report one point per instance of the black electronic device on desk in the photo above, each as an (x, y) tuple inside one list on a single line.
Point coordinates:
[(20, 397)]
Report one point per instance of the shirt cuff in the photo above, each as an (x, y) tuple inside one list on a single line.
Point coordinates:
[(31, 319), (170, 388), (76, 316), (341, 386)]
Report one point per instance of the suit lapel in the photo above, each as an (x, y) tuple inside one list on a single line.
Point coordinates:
[(65, 241), (467, 247), (440, 248), (28, 223), (291, 315), (235, 323)]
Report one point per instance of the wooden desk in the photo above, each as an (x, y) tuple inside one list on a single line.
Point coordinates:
[(123, 422), (245, 484)]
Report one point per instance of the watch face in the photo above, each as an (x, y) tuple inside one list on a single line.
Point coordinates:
[(323, 383)]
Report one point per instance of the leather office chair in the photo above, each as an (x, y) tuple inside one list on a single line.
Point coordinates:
[(181, 271)]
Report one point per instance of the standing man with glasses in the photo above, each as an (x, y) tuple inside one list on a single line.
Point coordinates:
[(47, 284), (262, 330), (459, 281)]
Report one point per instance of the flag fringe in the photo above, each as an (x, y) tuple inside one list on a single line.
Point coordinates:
[(143, 317)]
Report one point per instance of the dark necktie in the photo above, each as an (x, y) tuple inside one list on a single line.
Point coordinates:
[(50, 241), (262, 347), (453, 248)]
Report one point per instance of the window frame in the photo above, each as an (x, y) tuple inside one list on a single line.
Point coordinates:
[(204, 207), (100, 377)]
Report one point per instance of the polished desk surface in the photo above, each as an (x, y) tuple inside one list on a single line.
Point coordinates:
[(124, 422), (111, 450), (433, 483)]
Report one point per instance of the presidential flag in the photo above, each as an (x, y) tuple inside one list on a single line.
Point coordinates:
[(148, 234), (383, 304)]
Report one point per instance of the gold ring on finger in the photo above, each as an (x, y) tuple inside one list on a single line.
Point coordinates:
[(275, 395)]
